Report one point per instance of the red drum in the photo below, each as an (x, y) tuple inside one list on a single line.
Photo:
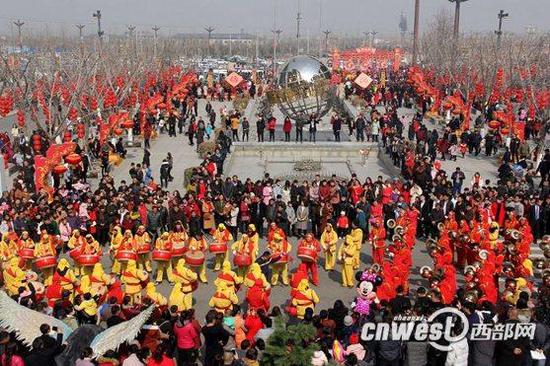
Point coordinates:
[(307, 254), (178, 249), (26, 253), (218, 248), (144, 249), (126, 255), (194, 258), (45, 262), (74, 253), (88, 259), (161, 255), (242, 260)]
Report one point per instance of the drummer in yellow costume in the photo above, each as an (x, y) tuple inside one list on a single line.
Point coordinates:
[(304, 298), (254, 240), (90, 246), (116, 239), (227, 276), (152, 294), (96, 283), (243, 246), (254, 274), (357, 235), (222, 236), (8, 249), (198, 243), (64, 275), (126, 243), (223, 299), (164, 243), (44, 249), (132, 279), (25, 242), (346, 254), (329, 239), (143, 240), (179, 239), (14, 276), (76, 242), (183, 290), (280, 248)]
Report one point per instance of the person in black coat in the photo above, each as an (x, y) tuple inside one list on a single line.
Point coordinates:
[(44, 350)]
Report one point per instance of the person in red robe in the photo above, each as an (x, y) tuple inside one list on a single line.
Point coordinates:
[(311, 243)]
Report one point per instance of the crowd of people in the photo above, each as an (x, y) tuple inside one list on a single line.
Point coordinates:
[(96, 255)]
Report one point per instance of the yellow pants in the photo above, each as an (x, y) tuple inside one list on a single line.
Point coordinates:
[(144, 262), (347, 273), (188, 301), (357, 257), (330, 260), (218, 261), (201, 272), (47, 274), (118, 267), (164, 267), (279, 269)]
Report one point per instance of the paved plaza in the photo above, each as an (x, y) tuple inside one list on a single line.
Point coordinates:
[(330, 288)]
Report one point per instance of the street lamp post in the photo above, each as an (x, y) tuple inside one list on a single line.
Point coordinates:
[(326, 33), (209, 30), (19, 24), (501, 15), (155, 29), (415, 31), (100, 33), (276, 35), (457, 17)]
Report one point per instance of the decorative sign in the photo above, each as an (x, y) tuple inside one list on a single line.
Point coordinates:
[(234, 79), (363, 80)]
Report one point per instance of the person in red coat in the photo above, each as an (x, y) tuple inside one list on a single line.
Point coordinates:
[(287, 128), (257, 296), (311, 243), (253, 323)]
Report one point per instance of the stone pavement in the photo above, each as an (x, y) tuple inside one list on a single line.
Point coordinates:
[(330, 288)]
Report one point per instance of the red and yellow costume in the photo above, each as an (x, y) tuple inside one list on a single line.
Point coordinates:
[(152, 294), (377, 238), (199, 244), (310, 242), (224, 298), (304, 298), (280, 249), (329, 240), (346, 255), (14, 276), (164, 243), (126, 243), (259, 289), (44, 249), (222, 236), (133, 278), (143, 244), (186, 283)]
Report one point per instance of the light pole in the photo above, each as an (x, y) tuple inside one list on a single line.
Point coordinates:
[(131, 29), (457, 17), (373, 34), (19, 24), (501, 15), (155, 29), (80, 28), (100, 33), (366, 34), (326, 33), (415, 31), (209, 30), (276, 35), (298, 20)]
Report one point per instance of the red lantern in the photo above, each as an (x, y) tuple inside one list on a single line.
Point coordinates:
[(59, 169), (118, 131), (127, 124), (67, 136), (504, 131), (20, 118), (73, 159), (81, 130), (447, 105), (457, 110), (494, 124)]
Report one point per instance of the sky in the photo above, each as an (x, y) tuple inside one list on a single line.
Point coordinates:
[(345, 17)]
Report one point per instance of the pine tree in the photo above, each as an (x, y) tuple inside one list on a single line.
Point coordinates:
[(290, 346)]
